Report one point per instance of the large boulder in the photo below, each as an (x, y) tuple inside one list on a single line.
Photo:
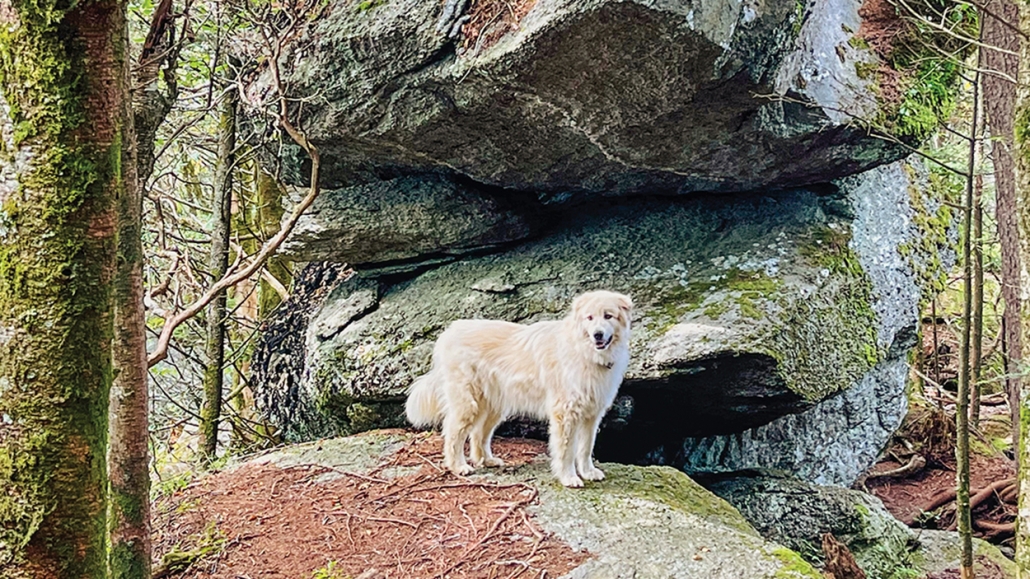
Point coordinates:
[(591, 96), (797, 514), (770, 330)]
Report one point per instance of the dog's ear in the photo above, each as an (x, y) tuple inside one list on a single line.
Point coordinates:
[(625, 303), (577, 305)]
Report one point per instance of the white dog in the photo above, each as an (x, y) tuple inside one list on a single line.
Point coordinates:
[(566, 372)]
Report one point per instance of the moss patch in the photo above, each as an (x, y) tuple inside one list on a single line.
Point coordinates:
[(793, 565)]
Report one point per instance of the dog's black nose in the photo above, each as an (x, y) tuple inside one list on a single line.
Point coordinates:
[(598, 336)]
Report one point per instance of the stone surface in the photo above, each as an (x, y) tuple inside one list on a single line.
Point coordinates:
[(770, 330), (639, 522), (941, 550), (796, 514), (406, 219), (590, 96)]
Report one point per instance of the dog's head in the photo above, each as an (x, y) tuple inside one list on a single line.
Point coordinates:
[(603, 317)]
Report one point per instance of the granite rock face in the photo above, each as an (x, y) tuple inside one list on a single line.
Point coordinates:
[(796, 514), (601, 97), (770, 330)]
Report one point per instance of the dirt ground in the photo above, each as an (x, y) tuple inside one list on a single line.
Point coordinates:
[(309, 521)]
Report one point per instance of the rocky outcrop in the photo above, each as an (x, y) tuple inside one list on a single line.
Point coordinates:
[(796, 514), (700, 156), (590, 96), (409, 222), (639, 522), (770, 330)]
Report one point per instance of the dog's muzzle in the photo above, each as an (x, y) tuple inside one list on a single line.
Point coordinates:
[(601, 342)]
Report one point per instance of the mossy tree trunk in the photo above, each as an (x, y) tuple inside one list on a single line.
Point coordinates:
[(211, 411), (1021, 134), (999, 100), (128, 457), (64, 128)]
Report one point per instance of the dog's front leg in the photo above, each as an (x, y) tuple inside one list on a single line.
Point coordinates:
[(585, 438), (561, 441)]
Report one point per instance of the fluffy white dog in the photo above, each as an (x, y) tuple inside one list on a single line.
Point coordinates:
[(565, 371)]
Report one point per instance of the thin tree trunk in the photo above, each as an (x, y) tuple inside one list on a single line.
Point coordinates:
[(65, 129), (1022, 181), (999, 104), (211, 410), (965, 526), (977, 321)]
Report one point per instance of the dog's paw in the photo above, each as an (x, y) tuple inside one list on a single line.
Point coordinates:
[(493, 461), (592, 473), (571, 481), (463, 470)]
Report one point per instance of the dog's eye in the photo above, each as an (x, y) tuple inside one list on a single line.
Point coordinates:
[(590, 318), (607, 316)]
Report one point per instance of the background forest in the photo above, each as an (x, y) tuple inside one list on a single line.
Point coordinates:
[(158, 160)]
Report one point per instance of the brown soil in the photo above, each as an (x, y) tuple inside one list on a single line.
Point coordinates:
[(905, 497), (880, 28), (489, 20), (270, 522)]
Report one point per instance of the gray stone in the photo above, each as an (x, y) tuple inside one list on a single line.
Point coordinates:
[(404, 219), (797, 514), (941, 550), (602, 97)]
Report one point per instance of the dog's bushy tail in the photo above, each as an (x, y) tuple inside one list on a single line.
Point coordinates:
[(423, 406)]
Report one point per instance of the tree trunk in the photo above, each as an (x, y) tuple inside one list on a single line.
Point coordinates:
[(1022, 180), (999, 104), (965, 526), (211, 411), (977, 320), (65, 128), (128, 456)]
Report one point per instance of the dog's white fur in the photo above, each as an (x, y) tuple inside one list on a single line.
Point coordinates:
[(566, 372)]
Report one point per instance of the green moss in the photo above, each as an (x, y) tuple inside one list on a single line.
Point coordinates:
[(1021, 127), (209, 543), (664, 485), (933, 224), (798, 18), (793, 565), (56, 261), (858, 43), (714, 310), (929, 78), (866, 70), (366, 5)]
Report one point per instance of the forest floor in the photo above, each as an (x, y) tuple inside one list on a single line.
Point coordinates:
[(312, 522)]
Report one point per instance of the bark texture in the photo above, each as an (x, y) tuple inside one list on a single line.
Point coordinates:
[(1021, 150), (62, 77), (128, 457), (999, 103), (211, 411)]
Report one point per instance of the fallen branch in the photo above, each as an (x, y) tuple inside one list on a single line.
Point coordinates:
[(914, 465), (946, 496)]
